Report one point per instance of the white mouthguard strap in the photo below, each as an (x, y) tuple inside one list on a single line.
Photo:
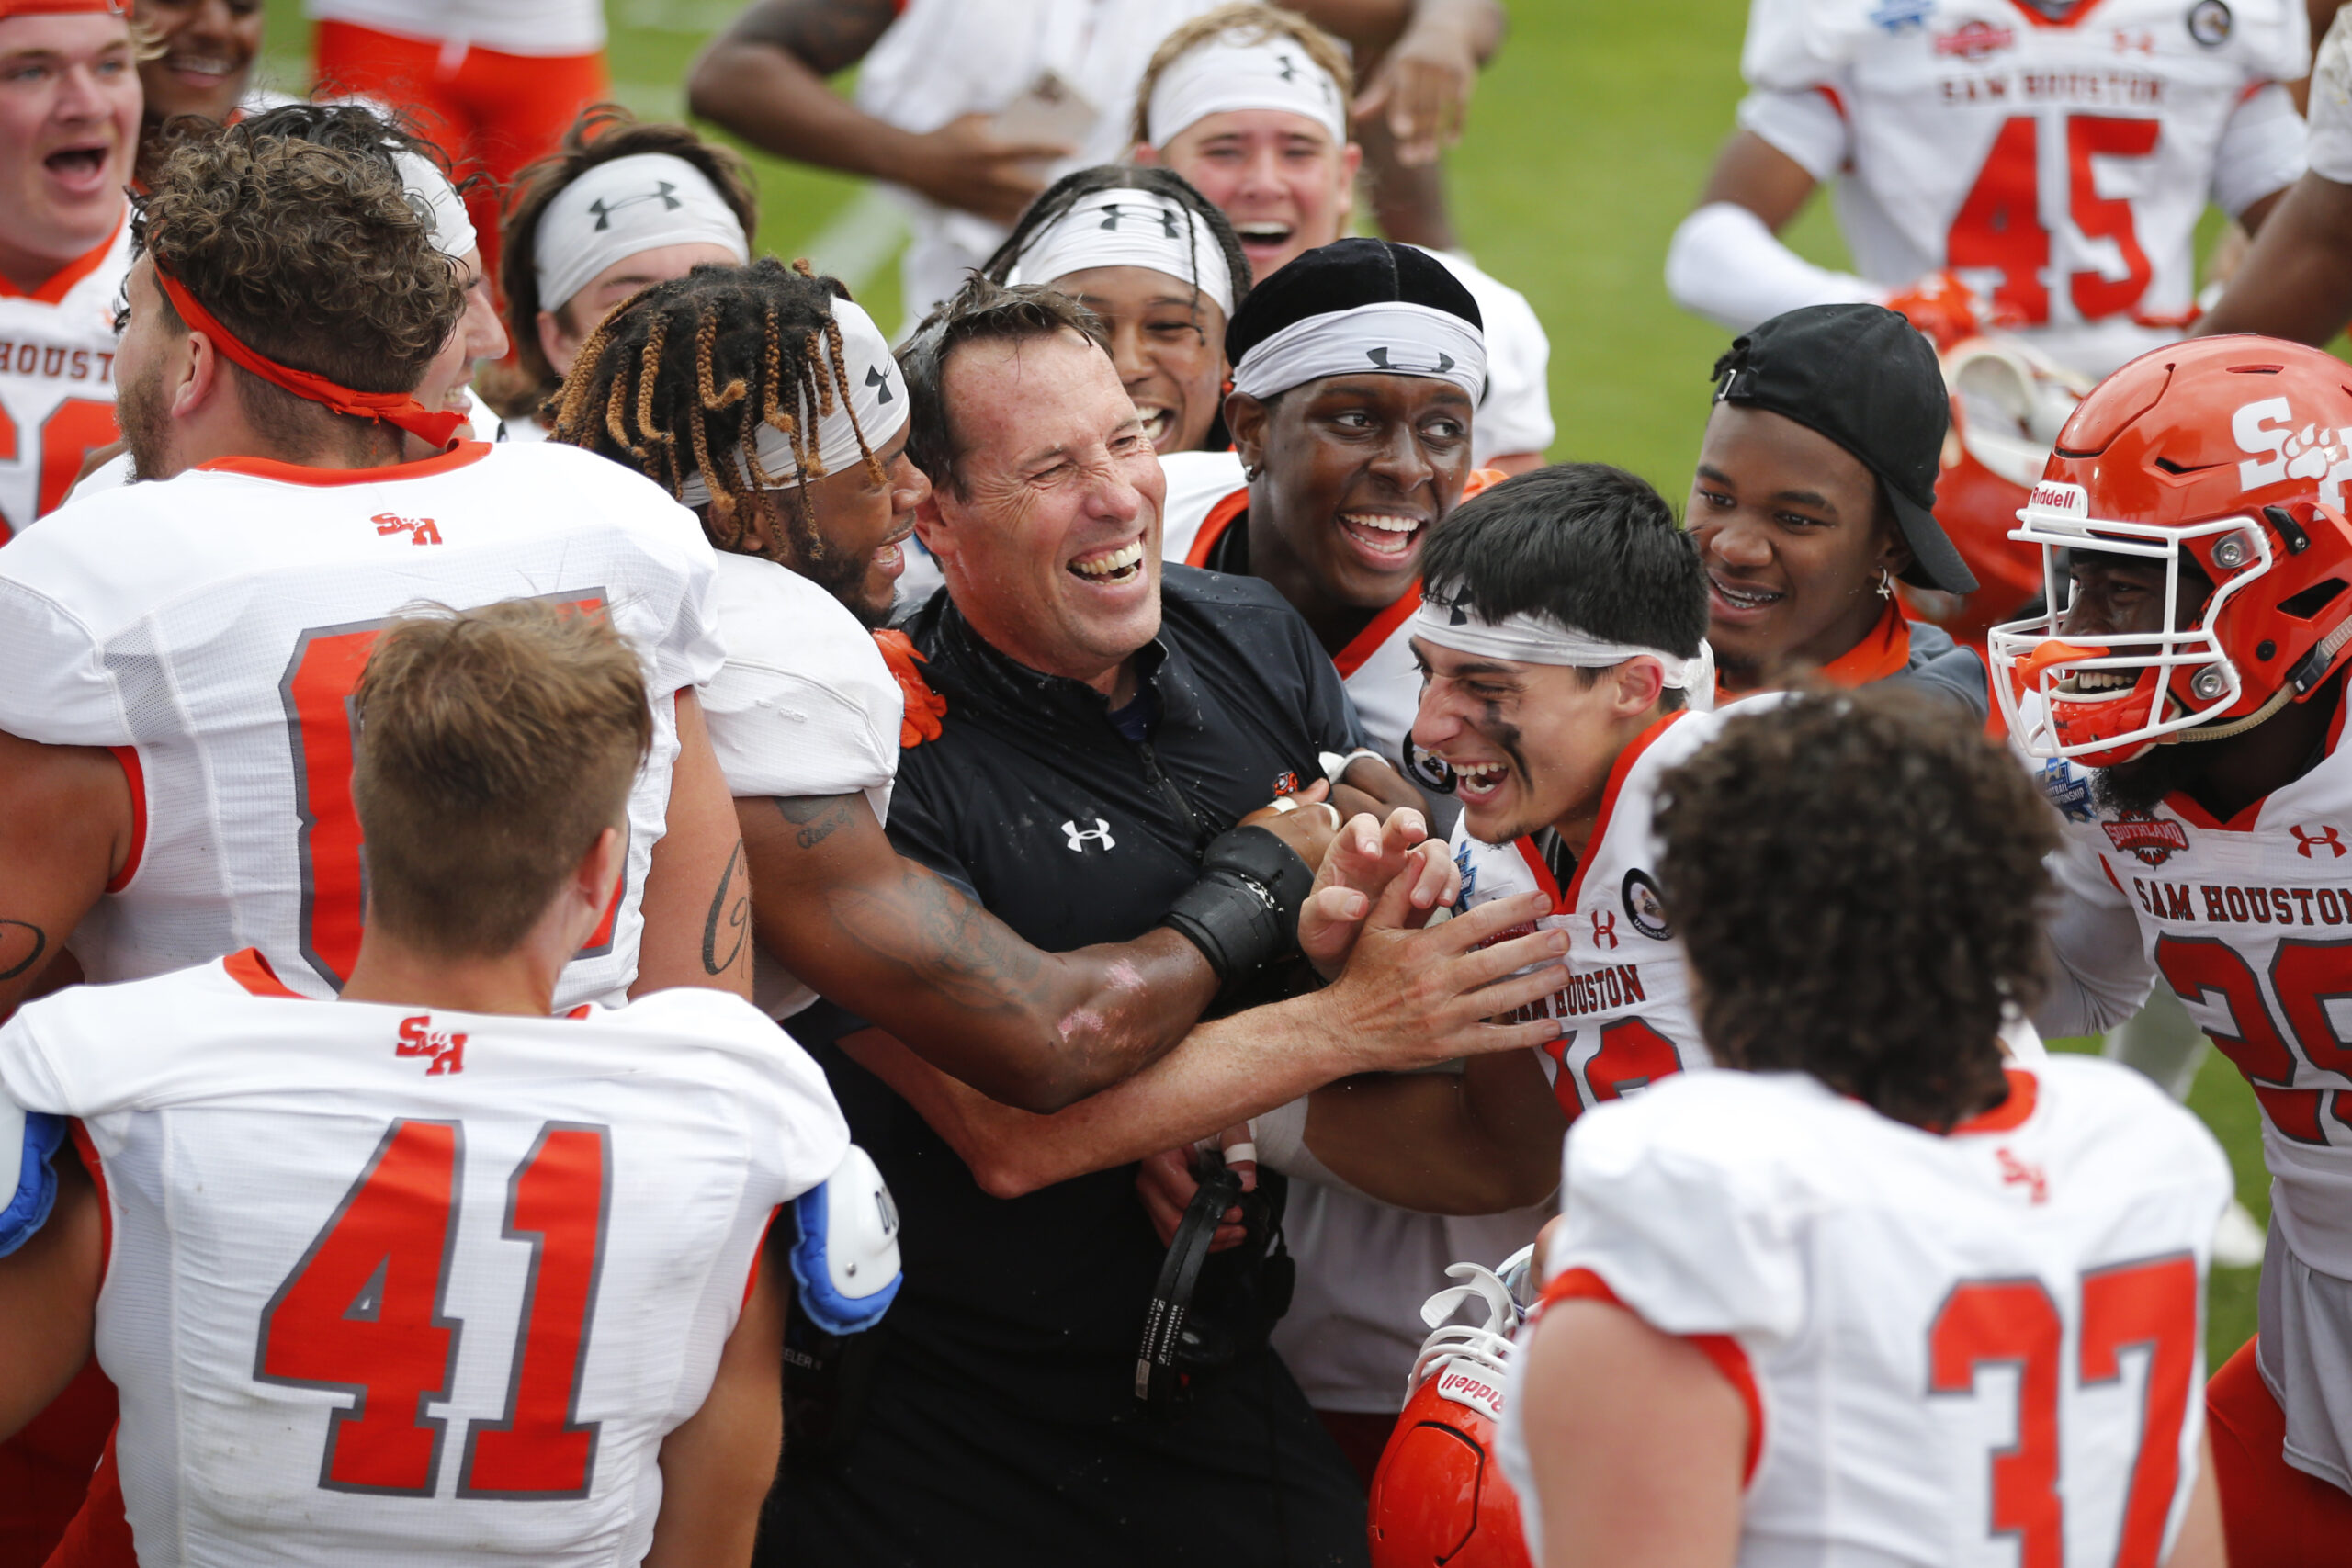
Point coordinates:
[(1129, 228), (624, 209), (1525, 639), (1391, 339), (1230, 74), (877, 398)]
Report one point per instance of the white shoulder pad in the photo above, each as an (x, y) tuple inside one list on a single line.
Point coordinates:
[(1793, 45), (846, 1260)]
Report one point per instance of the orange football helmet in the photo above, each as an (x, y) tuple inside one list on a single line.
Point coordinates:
[(2231, 454), (1439, 1499)]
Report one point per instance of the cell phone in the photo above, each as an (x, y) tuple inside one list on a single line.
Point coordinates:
[(1050, 108)]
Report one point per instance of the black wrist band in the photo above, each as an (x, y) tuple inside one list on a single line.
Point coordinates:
[(1243, 912)]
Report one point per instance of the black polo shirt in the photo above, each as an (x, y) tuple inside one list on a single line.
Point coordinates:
[(1072, 834)]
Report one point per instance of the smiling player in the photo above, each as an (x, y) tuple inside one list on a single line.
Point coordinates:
[(69, 131)]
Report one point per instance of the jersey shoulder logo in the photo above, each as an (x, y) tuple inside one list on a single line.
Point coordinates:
[(1644, 907), (2068, 791), (2155, 840), (445, 1049), (2210, 23)]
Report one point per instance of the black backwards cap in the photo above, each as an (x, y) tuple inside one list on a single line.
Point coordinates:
[(1863, 376)]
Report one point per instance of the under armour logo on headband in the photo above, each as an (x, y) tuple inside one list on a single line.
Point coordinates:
[(1380, 357), (666, 194), (876, 377), (1290, 67), (1112, 212)]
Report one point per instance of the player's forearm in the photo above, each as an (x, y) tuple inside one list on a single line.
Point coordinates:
[(896, 943), (1415, 1141), (768, 97), (1223, 1073), (49, 1295), (2295, 282), (717, 1465), (1726, 265), (67, 826)]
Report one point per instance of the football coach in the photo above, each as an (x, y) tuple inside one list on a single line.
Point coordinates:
[(1107, 721)]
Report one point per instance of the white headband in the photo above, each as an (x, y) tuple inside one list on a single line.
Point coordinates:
[(1389, 339), (623, 209), (877, 398), (1525, 639), (453, 231), (1234, 72), (1128, 228)]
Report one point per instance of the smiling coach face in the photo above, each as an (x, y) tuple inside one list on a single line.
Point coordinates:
[(1048, 527)]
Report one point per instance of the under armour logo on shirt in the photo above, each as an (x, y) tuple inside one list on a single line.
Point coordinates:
[(1379, 356), (664, 192), (876, 377), (1112, 211), (1099, 832)]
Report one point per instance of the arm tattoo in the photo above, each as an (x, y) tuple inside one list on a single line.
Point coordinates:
[(926, 928), (733, 903), (818, 816), (21, 946), (826, 36)]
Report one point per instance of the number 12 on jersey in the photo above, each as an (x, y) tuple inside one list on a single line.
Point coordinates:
[(362, 1313)]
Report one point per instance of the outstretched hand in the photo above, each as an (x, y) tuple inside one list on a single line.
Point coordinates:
[(1412, 998), (1365, 858)]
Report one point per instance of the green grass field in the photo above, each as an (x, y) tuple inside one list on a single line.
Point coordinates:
[(1588, 139)]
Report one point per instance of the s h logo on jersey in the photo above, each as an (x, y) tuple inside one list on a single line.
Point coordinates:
[(444, 1049)]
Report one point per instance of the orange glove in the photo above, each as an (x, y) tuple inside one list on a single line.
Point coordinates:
[(1944, 309), (925, 708)]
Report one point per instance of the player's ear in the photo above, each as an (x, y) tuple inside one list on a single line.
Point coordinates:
[(555, 343), (1145, 154), (200, 376), (1350, 162), (600, 872), (1245, 418), (1640, 684)]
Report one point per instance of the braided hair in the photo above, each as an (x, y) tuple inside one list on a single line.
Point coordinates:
[(680, 378)]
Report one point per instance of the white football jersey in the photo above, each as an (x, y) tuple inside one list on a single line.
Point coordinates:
[(803, 705), (1624, 986), (1984, 1348), (2331, 103), (2248, 921), (211, 628), (2059, 167), (384, 1284), (57, 380)]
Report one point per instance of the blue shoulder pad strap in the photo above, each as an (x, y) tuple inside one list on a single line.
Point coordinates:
[(846, 1260), (27, 1139)]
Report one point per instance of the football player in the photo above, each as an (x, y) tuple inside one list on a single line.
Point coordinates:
[(69, 133), (1881, 1294), (199, 60), (1249, 102), (2293, 282), (2038, 165), (244, 408), (2184, 700), (208, 627), (1162, 270), (621, 205), (1814, 492), (296, 1228)]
